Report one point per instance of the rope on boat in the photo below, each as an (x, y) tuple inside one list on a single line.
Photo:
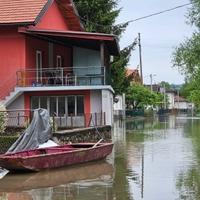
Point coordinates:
[(97, 129), (98, 142)]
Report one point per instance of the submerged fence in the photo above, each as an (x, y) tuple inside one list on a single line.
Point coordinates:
[(85, 120), (22, 118)]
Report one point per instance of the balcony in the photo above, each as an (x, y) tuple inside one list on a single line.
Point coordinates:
[(63, 76)]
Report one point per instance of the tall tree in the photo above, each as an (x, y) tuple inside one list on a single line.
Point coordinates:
[(100, 16), (187, 55)]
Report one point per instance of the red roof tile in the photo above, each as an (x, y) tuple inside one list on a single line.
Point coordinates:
[(20, 11)]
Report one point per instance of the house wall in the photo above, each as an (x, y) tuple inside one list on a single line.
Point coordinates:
[(107, 106), (53, 19), (65, 52), (120, 104), (12, 58), (170, 97), (18, 104), (32, 45), (96, 101), (183, 105)]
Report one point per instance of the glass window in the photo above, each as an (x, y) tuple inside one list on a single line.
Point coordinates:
[(80, 105), (43, 102), (34, 102), (71, 105), (61, 106), (53, 106)]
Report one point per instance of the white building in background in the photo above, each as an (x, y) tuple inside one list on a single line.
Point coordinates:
[(181, 103), (170, 98), (119, 106)]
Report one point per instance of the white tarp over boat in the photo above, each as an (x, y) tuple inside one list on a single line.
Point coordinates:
[(38, 132), (49, 143)]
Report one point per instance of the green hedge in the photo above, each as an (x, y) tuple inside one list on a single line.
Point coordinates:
[(6, 142)]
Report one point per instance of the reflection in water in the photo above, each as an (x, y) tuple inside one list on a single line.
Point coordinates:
[(153, 159), (162, 161), (59, 182), (188, 183)]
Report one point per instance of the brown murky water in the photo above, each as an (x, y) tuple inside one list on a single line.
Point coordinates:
[(153, 159)]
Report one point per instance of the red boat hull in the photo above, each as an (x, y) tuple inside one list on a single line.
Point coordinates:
[(54, 157)]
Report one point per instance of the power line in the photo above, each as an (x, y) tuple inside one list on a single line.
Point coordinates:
[(161, 12), (140, 18)]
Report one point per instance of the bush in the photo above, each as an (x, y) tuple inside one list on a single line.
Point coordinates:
[(6, 142), (3, 118)]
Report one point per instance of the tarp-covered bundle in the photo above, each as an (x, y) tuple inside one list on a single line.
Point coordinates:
[(38, 132)]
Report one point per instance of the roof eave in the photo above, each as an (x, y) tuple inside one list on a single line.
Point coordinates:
[(111, 40), (18, 24), (78, 16)]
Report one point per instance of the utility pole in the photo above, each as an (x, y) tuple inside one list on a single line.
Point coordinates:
[(151, 77), (140, 56), (165, 106), (151, 81)]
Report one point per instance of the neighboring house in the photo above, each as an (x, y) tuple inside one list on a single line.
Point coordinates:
[(134, 75), (119, 106), (182, 104), (49, 61), (154, 87), (170, 93)]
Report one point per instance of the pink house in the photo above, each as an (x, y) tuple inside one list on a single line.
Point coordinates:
[(47, 60)]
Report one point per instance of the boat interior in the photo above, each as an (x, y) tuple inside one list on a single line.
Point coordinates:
[(50, 150)]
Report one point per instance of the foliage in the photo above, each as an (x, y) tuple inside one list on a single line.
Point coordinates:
[(191, 91), (165, 85), (119, 81), (185, 90), (6, 142), (100, 16), (3, 118), (186, 57), (139, 96)]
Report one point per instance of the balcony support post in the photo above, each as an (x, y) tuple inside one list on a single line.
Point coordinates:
[(102, 54)]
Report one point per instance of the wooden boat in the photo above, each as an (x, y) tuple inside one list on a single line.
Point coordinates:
[(54, 157)]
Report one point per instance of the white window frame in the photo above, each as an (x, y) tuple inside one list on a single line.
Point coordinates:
[(58, 61)]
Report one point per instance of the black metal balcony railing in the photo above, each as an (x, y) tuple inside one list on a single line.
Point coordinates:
[(65, 76)]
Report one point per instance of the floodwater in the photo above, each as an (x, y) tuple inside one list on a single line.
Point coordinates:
[(153, 159)]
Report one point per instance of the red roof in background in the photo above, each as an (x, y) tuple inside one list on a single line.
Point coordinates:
[(30, 11), (21, 11), (131, 72)]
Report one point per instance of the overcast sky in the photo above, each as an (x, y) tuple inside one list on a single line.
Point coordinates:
[(159, 35)]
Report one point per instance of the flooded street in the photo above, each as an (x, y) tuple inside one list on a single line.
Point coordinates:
[(153, 159)]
